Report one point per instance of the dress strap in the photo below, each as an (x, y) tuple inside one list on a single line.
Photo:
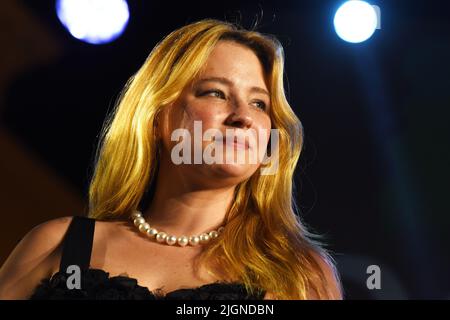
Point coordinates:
[(77, 245)]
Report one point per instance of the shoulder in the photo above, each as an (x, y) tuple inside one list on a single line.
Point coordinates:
[(44, 237), (33, 258), (269, 296), (331, 276), (47, 234), (108, 230)]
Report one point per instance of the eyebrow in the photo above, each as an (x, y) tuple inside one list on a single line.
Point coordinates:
[(230, 83)]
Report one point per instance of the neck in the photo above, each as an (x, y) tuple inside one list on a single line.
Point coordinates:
[(181, 208)]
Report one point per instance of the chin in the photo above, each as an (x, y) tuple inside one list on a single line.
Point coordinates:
[(233, 170)]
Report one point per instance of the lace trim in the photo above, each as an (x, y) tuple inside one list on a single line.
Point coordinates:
[(97, 284)]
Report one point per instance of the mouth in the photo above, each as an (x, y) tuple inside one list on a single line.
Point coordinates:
[(235, 142)]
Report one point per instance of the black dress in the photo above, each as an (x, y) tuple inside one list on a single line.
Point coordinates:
[(96, 284)]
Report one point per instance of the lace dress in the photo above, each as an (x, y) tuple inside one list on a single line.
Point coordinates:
[(96, 284)]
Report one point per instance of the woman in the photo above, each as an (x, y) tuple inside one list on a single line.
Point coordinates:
[(195, 229)]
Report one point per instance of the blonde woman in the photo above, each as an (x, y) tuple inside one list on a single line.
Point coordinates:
[(160, 229)]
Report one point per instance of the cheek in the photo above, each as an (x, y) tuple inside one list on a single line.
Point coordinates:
[(208, 115), (185, 117), (264, 126)]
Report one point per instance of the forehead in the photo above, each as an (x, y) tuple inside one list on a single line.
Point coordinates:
[(236, 62)]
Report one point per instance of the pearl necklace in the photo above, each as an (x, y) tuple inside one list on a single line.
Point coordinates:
[(162, 237)]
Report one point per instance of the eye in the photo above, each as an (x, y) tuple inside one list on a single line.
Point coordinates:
[(214, 93), (260, 104)]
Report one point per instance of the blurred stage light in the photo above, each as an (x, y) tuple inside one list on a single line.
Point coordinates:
[(355, 21), (93, 21)]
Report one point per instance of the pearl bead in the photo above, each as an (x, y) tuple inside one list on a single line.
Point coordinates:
[(143, 227), (161, 236), (139, 221), (204, 237), (152, 232), (213, 234), (170, 240), (183, 240), (136, 214), (194, 240)]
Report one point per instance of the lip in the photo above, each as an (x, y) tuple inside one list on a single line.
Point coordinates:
[(233, 141)]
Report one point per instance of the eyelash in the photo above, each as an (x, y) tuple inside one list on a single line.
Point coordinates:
[(215, 91), (222, 96)]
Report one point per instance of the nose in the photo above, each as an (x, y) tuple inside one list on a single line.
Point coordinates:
[(240, 117)]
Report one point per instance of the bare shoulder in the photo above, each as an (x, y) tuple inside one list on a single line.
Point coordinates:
[(107, 226), (269, 296), (33, 259), (332, 279), (106, 231)]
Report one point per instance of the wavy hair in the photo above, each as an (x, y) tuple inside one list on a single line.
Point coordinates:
[(265, 244)]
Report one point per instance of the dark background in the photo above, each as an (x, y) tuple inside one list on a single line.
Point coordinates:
[(373, 175)]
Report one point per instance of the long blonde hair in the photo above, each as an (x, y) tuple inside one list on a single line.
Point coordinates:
[(265, 245)]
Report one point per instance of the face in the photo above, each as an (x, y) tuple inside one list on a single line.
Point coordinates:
[(229, 98)]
